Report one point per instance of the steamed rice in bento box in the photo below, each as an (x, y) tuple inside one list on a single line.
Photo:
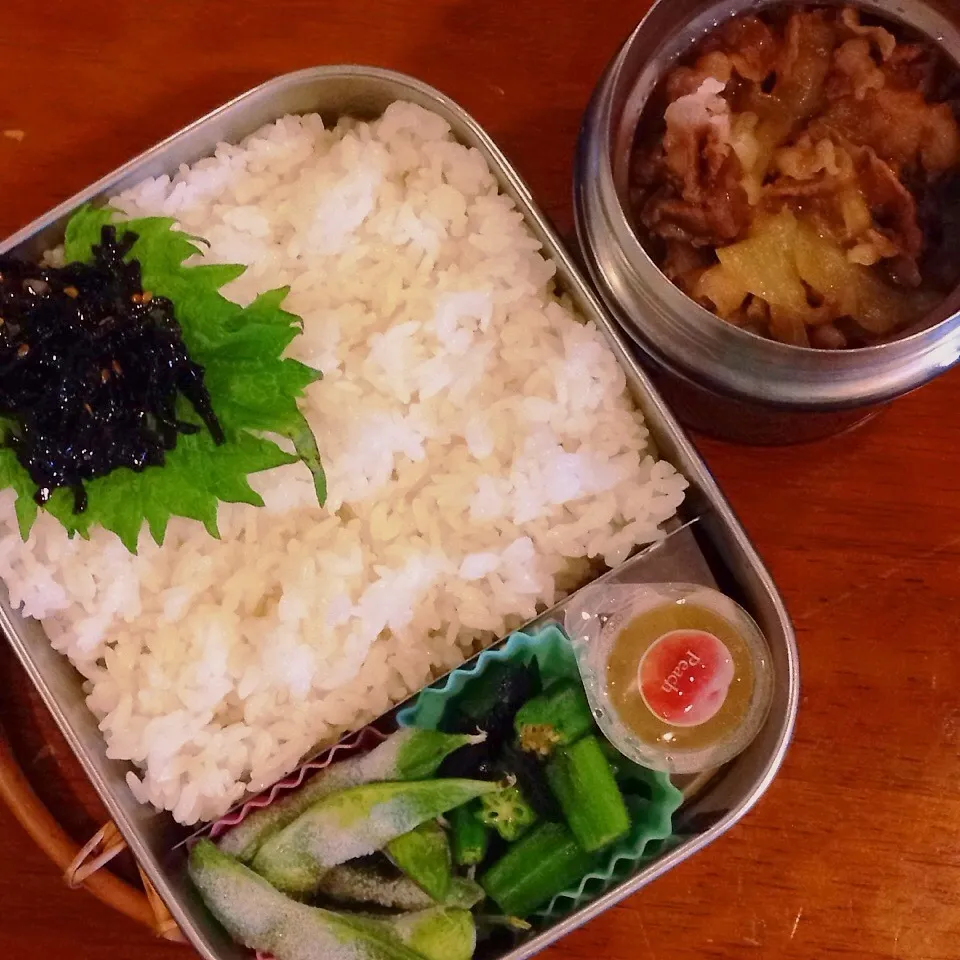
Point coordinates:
[(482, 457)]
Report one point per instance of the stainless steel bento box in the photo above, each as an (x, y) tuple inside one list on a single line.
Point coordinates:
[(715, 543)]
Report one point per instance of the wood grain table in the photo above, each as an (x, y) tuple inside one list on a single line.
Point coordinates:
[(855, 850)]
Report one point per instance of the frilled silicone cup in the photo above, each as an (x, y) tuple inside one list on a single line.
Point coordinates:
[(652, 818)]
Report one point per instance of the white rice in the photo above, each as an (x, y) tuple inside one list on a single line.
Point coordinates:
[(478, 439)]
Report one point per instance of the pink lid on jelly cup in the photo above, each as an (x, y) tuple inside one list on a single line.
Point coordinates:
[(684, 677)]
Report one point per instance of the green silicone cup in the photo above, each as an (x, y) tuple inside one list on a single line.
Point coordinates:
[(652, 819)]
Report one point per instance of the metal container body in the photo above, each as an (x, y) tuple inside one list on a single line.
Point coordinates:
[(737, 420), (365, 92), (724, 380)]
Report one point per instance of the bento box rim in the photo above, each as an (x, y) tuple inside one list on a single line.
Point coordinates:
[(341, 71), (704, 479)]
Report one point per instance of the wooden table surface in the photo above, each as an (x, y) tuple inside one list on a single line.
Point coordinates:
[(855, 850)]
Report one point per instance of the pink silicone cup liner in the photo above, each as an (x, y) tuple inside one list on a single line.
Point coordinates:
[(360, 742)]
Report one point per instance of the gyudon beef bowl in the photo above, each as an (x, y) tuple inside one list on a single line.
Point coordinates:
[(800, 177), (769, 198)]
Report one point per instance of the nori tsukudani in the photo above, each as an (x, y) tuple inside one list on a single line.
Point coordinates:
[(91, 368)]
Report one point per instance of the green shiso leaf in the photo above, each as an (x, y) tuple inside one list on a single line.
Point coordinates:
[(14, 476), (253, 389)]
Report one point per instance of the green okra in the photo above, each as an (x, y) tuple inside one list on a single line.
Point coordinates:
[(536, 868), (507, 812), (471, 838), (423, 854), (634, 780), (354, 823), (584, 785), (558, 717), (261, 918), (408, 754)]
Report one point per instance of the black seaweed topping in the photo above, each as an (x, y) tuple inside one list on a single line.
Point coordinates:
[(91, 366)]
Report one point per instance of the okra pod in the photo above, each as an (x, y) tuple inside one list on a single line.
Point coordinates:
[(354, 823), (542, 864), (583, 783), (423, 854), (471, 838), (634, 780), (558, 717), (507, 812), (408, 754), (527, 770)]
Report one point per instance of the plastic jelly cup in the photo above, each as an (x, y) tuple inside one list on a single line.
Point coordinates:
[(678, 675)]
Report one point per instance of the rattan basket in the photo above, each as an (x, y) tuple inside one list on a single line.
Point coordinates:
[(85, 866)]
